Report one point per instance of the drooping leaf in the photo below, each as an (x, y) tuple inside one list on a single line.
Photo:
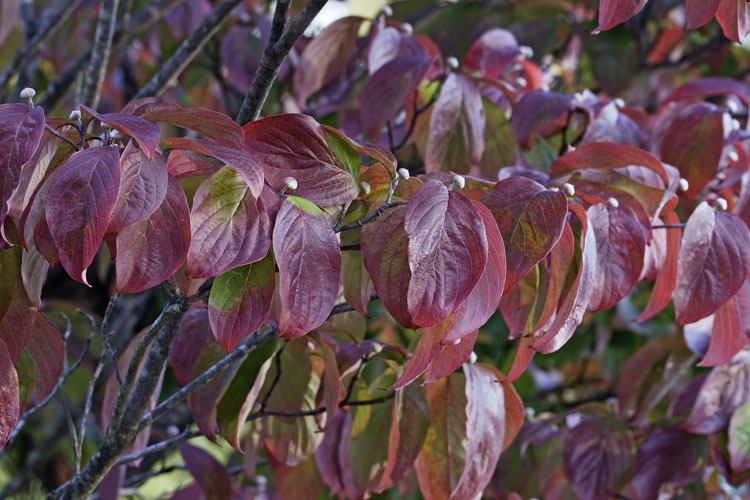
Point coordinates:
[(144, 132), (598, 453), (667, 455), (427, 348), (447, 251), (714, 262), (614, 12), (621, 241), (699, 12), (725, 389), (694, 143), (739, 438), (731, 329), (240, 301), (143, 186), (209, 474), (299, 482), (297, 146), (667, 277), (467, 422), (9, 397), (385, 256), (46, 349), (229, 227), (80, 200), (492, 52), (456, 136), (240, 397), (450, 357), (309, 260), (535, 112), (531, 220), (325, 57), (734, 18), (151, 250)]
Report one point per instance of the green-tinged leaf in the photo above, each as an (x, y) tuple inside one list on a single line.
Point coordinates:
[(24, 366), (346, 154), (240, 397), (739, 438), (301, 482)]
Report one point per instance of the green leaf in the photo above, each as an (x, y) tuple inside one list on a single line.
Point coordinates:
[(739, 438), (346, 154)]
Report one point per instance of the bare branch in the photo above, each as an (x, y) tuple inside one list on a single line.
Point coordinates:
[(188, 50), (105, 31), (273, 57), (160, 446)]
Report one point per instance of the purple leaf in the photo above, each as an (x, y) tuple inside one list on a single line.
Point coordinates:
[(81, 197), (144, 132), (734, 18), (731, 329), (725, 389), (492, 52), (150, 251), (701, 88), (699, 12), (211, 476), (388, 44), (309, 259), (9, 397), (447, 251), (535, 112)]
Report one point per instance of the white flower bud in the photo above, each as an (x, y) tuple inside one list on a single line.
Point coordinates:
[(173, 430), (736, 124), (529, 412), (75, 115), (555, 189), (452, 62), (28, 93), (388, 11), (261, 482), (721, 204), (473, 357), (114, 134), (572, 420), (290, 183), (403, 173), (733, 156), (521, 81), (732, 107), (612, 202), (683, 185), (526, 52), (569, 190), (721, 176), (364, 188), (459, 181), (619, 102), (400, 118), (407, 28)]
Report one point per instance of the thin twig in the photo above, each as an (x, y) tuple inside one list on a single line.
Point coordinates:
[(669, 226), (109, 350), (188, 50), (276, 377), (273, 57), (377, 213), (160, 446), (97, 70), (61, 136), (319, 410)]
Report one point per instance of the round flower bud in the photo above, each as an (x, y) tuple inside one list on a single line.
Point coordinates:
[(364, 188), (521, 81), (736, 124), (721, 204), (473, 357), (733, 156), (683, 185), (407, 28), (732, 107), (403, 173), (173, 430), (452, 62), (75, 115), (459, 181), (115, 134), (569, 190), (526, 52), (28, 93), (555, 189), (290, 183), (612, 202), (619, 102), (388, 11)]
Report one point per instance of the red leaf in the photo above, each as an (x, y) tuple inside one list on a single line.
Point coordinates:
[(297, 146), (144, 132), (427, 348), (193, 333), (388, 44), (734, 18), (699, 12), (211, 476), (307, 253), (694, 143), (325, 56), (210, 123), (597, 454), (483, 300), (150, 251), (143, 186), (725, 389), (450, 357), (606, 156), (385, 256), (387, 90), (731, 329), (456, 138), (531, 220), (80, 200), (9, 397), (248, 167), (614, 12), (492, 52), (621, 242), (464, 440), (535, 112), (240, 301), (705, 87), (229, 227), (667, 277), (46, 348), (447, 251), (714, 262)]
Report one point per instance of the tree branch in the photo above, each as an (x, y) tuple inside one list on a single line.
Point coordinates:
[(105, 30), (160, 446), (188, 50), (273, 57), (377, 213)]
